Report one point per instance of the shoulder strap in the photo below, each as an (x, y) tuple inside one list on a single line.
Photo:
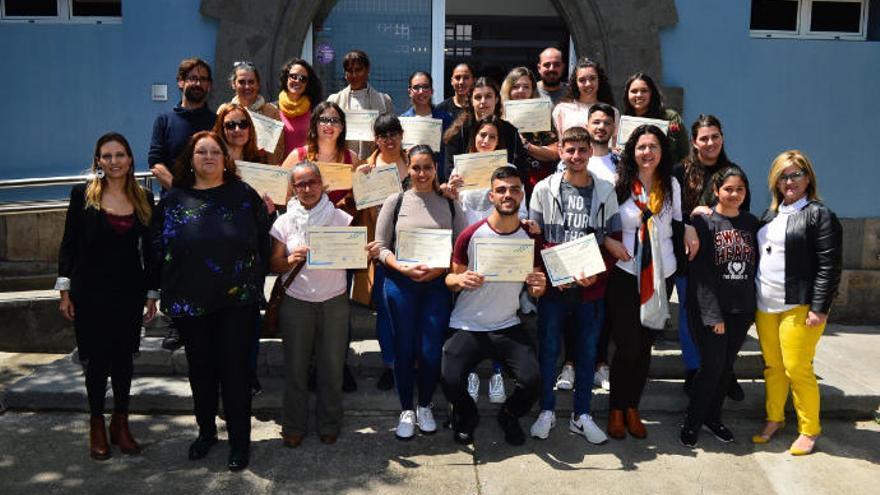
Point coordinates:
[(394, 220)]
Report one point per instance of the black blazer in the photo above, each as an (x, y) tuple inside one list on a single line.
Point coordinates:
[(813, 256)]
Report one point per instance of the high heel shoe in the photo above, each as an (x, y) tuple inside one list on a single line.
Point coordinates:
[(763, 438), (798, 451)]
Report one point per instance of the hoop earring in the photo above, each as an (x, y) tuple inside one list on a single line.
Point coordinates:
[(99, 172)]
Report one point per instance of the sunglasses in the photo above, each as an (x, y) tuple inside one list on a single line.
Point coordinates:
[(794, 176), (243, 64), (297, 77), (329, 121), (232, 124)]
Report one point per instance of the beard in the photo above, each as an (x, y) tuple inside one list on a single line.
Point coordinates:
[(503, 211), (551, 80), (195, 95)]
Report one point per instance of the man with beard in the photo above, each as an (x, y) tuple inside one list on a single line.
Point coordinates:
[(171, 133), (550, 70), (172, 130), (484, 320)]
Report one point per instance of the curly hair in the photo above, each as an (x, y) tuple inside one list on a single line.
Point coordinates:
[(314, 89), (603, 94), (628, 169), (655, 105)]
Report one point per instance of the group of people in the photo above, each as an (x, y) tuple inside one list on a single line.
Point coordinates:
[(666, 209)]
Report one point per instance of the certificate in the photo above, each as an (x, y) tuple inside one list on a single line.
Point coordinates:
[(336, 176), (265, 179), (531, 115), (565, 262), (359, 124), (336, 248), (504, 260), (628, 124), (268, 131), (421, 130), (374, 188), (432, 247), (476, 168)]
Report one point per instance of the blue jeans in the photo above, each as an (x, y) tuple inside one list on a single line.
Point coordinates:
[(553, 310), (419, 312), (384, 328), (689, 352)]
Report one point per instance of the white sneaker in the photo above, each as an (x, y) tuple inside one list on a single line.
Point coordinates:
[(566, 378), (425, 420), (587, 427), (497, 395), (602, 378), (542, 426), (406, 427), (473, 386)]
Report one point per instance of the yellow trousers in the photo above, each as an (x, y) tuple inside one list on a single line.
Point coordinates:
[(788, 346)]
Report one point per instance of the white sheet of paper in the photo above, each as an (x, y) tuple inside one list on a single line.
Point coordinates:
[(336, 248), (530, 115), (374, 188), (359, 124), (336, 176), (421, 130), (504, 260), (564, 262), (268, 131), (476, 168), (265, 179), (628, 124), (431, 247)]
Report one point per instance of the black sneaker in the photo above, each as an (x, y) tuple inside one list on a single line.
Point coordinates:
[(513, 434), (735, 390), (386, 381), (689, 436), (348, 383), (201, 447), (238, 459), (172, 341), (720, 431)]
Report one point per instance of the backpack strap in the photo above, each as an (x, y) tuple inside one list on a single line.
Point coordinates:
[(394, 220)]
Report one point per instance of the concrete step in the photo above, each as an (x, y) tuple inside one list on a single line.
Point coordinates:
[(365, 359), (59, 386)]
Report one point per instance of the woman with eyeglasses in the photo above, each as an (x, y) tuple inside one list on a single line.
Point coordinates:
[(587, 86), (245, 81), (302, 90), (106, 275), (235, 126), (799, 243), (421, 90), (211, 232)]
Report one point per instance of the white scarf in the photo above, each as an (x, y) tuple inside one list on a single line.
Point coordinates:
[(255, 106), (300, 218)]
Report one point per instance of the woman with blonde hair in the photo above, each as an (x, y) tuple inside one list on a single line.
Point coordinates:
[(799, 243)]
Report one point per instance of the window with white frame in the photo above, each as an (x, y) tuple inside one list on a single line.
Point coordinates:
[(68, 11), (814, 19)]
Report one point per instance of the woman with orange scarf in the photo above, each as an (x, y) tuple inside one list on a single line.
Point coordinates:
[(302, 90)]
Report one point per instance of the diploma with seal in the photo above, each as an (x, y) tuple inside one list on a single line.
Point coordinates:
[(265, 179), (504, 260), (421, 130), (431, 247), (359, 124), (567, 261), (476, 168), (628, 124), (336, 248), (373, 188), (268, 131), (530, 115), (336, 176)]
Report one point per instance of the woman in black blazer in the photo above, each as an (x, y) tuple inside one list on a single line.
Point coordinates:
[(106, 275)]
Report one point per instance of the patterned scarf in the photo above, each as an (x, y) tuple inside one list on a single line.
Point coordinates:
[(293, 108), (652, 286), (255, 106)]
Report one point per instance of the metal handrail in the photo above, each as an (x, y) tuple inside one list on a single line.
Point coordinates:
[(30, 206)]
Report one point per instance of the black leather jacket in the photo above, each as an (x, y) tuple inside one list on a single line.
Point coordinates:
[(813, 256)]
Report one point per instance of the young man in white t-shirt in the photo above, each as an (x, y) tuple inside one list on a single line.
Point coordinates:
[(484, 319)]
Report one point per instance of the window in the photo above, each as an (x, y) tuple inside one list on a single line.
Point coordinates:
[(815, 19), (458, 39), (70, 11)]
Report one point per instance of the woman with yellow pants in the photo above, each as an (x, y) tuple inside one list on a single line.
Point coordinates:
[(798, 275)]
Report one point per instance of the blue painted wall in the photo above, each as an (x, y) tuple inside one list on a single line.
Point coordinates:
[(66, 84), (820, 96)]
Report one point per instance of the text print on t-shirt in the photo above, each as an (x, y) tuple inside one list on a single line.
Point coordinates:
[(576, 201), (734, 247)]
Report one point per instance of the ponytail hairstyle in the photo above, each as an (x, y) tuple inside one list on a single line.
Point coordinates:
[(728, 172), (424, 149), (133, 191), (655, 104), (694, 170), (468, 115)]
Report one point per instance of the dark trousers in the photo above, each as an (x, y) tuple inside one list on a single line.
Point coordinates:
[(632, 341), (464, 350), (218, 351), (717, 353), (119, 368)]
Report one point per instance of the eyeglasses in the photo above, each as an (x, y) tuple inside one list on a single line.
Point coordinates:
[(420, 87), (305, 184), (794, 176), (330, 121), (297, 77), (230, 125), (197, 79), (243, 64), (388, 136)]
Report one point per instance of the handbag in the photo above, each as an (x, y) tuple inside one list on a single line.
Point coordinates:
[(273, 307)]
